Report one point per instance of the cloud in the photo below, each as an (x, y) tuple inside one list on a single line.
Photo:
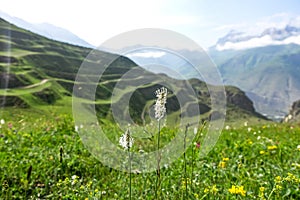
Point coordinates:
[(148, 54), (227, 27), (278, 20), (258, 42), (251, 34)]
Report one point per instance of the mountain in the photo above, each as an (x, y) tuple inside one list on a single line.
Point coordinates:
[(267, 70), (294, 113), (47, 30), (38, 75)]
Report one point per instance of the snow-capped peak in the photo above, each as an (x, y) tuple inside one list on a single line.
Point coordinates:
[(272, 36)]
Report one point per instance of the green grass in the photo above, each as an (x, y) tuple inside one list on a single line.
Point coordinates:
[(40, 157)]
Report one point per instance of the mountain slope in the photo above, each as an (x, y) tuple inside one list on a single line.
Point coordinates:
[(34, 69), (269, 75), (38, 74)]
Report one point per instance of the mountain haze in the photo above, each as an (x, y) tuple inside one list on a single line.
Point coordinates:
[(47, 30)]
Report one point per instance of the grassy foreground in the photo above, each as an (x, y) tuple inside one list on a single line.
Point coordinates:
[(45, 159)]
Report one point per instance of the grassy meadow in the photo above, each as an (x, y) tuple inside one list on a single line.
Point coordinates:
[(44, 158)]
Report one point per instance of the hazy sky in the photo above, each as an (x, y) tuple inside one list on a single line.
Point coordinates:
[(201, 20)]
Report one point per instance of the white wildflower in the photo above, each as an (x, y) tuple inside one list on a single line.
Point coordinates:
[(2, 121), (298, 147), (227, 127), (160, 108), (260, 175), (76, 128), (195, 130), (249, 129), (258, 137), (74, 177), (126, 141)]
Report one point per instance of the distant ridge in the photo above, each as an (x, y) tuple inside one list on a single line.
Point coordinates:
[(47, 30)]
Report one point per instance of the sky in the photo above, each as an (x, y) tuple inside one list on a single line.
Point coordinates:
[(203, 21)]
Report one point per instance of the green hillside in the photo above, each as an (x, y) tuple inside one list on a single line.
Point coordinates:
[(38, 74)]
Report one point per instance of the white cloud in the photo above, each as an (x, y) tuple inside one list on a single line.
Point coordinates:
[(254, 31), (279, 20), (258, 42), (148, 54), (226, 27)]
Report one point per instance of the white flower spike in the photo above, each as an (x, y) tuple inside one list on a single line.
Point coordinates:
[(160, 108), (126, 141)]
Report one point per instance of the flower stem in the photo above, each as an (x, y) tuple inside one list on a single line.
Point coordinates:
[(158, 163), (184, 157), (271, 193), (192, 171), (129, 157)]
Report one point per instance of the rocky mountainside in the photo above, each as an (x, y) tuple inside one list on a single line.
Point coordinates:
[(294, 114), (265, 66)]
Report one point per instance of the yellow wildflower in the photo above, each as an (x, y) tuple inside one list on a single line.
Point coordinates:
[(272, 147), (222, 164), (242, 191), (187, 181), (196, 195), (214, 189), (206, 190), (291, 178), (277, 179), (232, 190), (225, 159), (237, 190), (261, 194), (262, 152), (278, 188)]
